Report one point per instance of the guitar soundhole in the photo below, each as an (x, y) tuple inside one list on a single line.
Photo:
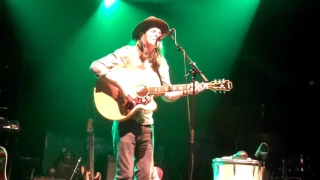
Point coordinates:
[(142, 91)]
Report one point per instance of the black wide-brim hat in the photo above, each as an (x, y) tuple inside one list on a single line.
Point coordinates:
[(148, 23)]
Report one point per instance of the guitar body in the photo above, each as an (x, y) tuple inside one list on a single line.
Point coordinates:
[(158, 173), (111, 104), (3, 163), (96, 177), (86, 174)]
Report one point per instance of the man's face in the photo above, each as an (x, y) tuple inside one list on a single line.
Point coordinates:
[(151, 36)]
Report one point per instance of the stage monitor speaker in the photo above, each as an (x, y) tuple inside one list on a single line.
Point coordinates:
[(111, 167)]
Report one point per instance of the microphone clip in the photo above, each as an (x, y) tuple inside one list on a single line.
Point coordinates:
[(165, 34)]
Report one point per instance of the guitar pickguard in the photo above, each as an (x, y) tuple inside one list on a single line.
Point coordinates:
[(140, 101), (135, 102)]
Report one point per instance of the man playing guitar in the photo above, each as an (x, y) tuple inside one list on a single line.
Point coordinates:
[(140, 61)]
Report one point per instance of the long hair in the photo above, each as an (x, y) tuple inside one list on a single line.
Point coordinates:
[(145, 55)]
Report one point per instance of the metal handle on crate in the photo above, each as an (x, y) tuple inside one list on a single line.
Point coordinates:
[(261, 153)]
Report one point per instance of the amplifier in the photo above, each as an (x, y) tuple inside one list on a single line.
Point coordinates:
[(46, 178)]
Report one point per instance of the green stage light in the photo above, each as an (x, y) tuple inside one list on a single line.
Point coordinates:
[(109, 3)]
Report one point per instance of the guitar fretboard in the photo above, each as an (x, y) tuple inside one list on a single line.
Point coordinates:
[(164, 89), (216, 85), (91, 154)]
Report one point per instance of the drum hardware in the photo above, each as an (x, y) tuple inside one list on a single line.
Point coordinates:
[(297, 166)]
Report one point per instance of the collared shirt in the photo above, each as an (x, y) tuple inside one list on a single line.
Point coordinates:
[(128, 57)]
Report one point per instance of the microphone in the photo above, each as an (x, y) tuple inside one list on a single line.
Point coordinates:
[(164, 35)]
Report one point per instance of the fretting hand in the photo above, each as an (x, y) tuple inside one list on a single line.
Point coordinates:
[(198, 88)]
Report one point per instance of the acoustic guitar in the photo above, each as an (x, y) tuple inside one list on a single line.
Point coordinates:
[(111, 105), (3, 163), (89, 174)]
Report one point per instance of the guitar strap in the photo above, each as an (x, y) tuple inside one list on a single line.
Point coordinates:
[(159, 76)]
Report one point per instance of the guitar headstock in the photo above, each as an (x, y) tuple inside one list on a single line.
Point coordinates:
[(220, 85), (90, 127)]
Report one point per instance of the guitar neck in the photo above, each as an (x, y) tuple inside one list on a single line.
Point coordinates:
[(91, 151), (179, 87), (216, 85)]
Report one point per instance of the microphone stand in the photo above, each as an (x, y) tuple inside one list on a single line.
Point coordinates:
[(75, 169), (195, 70)]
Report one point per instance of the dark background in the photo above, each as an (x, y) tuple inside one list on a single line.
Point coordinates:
[(274, 100)]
